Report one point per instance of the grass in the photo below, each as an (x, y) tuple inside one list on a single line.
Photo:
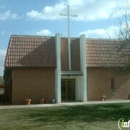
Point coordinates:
[(84, 117)]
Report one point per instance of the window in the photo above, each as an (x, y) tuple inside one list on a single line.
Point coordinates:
[(112, 85)]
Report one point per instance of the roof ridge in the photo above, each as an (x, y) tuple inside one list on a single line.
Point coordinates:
[(102, 39), (13, 35)]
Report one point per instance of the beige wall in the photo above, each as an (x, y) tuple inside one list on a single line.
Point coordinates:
[(75, 54), (99, 83), (64, 54), (36, 83), (32, 83)]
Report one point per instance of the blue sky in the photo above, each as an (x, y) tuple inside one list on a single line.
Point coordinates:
[(41, 17)]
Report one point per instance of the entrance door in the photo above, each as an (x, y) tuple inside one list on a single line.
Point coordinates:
[(68, 90)]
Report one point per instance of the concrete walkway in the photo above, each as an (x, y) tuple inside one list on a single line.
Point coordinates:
[(63, 104)]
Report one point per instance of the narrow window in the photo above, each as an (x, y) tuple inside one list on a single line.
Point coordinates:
[(112, 85)]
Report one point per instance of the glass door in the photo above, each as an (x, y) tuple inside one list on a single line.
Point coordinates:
[(68, 90)]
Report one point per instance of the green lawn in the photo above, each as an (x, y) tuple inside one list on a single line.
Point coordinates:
[(84, 117)]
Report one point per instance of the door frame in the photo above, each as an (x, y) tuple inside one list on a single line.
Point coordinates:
[(64, 79)]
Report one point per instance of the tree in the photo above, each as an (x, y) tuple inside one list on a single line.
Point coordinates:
[(122, 34)]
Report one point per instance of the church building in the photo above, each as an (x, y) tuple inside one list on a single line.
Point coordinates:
[(48, 67)]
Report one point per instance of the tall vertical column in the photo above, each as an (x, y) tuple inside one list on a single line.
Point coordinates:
[(69, 46), (58, 69), (83, 67)]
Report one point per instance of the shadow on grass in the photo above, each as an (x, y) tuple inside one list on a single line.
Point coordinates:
[(84, 113)]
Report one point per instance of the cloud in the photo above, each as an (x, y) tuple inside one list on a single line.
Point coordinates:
[(2, 59), (96, 33), (49, 12), (8, 15), (101, 33), (86, 10), (44, 32)]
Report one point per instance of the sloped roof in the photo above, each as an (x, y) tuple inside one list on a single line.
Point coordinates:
[(36, 51), (31, 51), (103, 53)]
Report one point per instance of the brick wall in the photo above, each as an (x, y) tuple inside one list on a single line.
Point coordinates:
[(36, 83), (8, 87), (32, 83), (99, 83)]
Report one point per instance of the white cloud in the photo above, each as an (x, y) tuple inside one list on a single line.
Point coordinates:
[(49, 12), (8, 15), (44, 32), (2, 59), (96, 33), (85, 9), (101, 33)]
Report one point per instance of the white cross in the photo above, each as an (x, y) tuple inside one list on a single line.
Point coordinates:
[(69, 52)]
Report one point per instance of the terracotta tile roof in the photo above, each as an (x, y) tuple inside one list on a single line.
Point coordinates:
[(31, 51), (35, 51), (103, 53)]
